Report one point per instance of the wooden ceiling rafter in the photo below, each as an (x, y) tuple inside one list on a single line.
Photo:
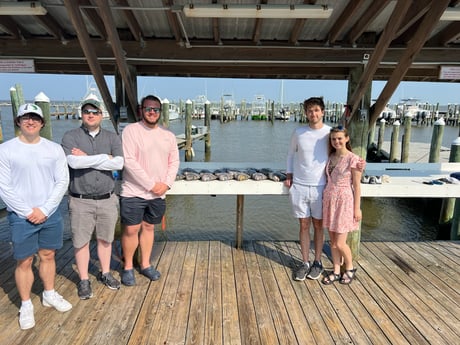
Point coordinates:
[(413, 48), (363, 22), (131, 21), (174, 23), (93, 17), (449, 34), (299, 25), (12, 27), (347, 15), (412, 20), (52, 26)]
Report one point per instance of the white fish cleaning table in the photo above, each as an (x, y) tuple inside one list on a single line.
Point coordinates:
[(405, 181)]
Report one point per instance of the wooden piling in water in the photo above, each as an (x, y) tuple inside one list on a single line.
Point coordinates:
[(406, 140), (436, 141), (207, 123), (165, 112), (44, 103), (394, 142), (188, 131)]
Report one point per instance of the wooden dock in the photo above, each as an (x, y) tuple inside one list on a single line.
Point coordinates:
[(212, 293)]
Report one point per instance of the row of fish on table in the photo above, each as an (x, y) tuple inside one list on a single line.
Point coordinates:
[(227, 174)]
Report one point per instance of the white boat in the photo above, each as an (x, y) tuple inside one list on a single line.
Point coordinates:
[(258, 108), (93, 93), (199, 105), (174, 112), (412, 108)]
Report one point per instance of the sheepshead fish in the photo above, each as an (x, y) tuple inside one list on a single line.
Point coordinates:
[(207, 176), (258, 176), (277, 176), (191, 174), (241, 176), (180, 176)]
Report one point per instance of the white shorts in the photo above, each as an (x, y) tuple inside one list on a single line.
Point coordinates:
[(306, 201)]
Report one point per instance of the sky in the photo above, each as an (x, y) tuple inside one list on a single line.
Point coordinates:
[(60, 87)]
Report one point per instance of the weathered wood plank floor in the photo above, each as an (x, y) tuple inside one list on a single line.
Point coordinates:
[(211, 293)]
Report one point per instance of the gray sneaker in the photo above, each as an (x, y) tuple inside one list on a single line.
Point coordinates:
[(316, 270), (302, 271), (84, 289), (108, 280)]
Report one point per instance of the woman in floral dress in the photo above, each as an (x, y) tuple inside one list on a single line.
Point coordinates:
[(342, 202)]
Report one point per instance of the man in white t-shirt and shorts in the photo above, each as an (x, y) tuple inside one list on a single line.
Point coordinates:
[(306, 179)]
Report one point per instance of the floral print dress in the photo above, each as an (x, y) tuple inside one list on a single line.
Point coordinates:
[(338, 198)]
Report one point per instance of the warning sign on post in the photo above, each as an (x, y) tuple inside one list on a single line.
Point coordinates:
[(449, 72), (17, 66)]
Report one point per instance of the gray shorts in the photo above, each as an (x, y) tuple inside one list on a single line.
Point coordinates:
[(306, 201), (88, 216)]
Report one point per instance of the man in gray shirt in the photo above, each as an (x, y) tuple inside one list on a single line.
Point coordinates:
[(92, 154)]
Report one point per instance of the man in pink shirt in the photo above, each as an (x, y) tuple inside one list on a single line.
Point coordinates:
[(151, 165)]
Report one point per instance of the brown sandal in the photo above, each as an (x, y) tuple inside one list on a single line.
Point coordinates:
[(330, 278), (348, 276)]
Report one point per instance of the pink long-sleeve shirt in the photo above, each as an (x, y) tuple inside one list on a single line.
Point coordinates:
[(151, 156)]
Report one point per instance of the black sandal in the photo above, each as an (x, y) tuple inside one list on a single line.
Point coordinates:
[(330, 278), (347, 278)]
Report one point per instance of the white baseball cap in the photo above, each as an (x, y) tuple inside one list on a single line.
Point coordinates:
[(30, 108)]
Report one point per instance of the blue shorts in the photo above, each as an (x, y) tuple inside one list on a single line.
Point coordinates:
[(28, 238), (134, 210)]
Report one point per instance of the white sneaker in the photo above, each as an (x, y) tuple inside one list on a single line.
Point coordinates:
[(56, 301), (26, 317)]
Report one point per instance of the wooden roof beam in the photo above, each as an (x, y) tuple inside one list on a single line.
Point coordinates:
[(85, 43), (12, 27), (413, 48), (52, 26), (94, 18), (369, 15), (344, 18), (174, 23), (379, 52), (447, 35), (119, 53), (299, 24), (413, 16)]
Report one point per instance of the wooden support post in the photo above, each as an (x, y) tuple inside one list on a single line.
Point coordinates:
[(188, 131), (239, 220), (455, 157), (44, 103), (394, 142), (436, 141), (381, 136)]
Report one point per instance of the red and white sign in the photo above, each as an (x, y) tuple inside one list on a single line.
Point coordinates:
[(449, 72), (17, 66)]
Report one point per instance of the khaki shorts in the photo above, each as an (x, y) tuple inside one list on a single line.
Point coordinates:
[(306, 201), (88, 216)]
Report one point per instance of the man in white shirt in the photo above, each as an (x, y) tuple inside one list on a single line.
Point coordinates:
[(33, 181)]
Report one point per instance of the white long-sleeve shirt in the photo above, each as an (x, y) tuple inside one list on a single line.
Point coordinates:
[(32, 175)]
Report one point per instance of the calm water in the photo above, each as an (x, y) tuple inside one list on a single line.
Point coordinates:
[(269, 217)]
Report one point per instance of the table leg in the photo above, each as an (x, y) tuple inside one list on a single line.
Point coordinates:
[(239, 220)]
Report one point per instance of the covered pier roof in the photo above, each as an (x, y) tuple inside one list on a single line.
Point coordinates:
[(326, 39)]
